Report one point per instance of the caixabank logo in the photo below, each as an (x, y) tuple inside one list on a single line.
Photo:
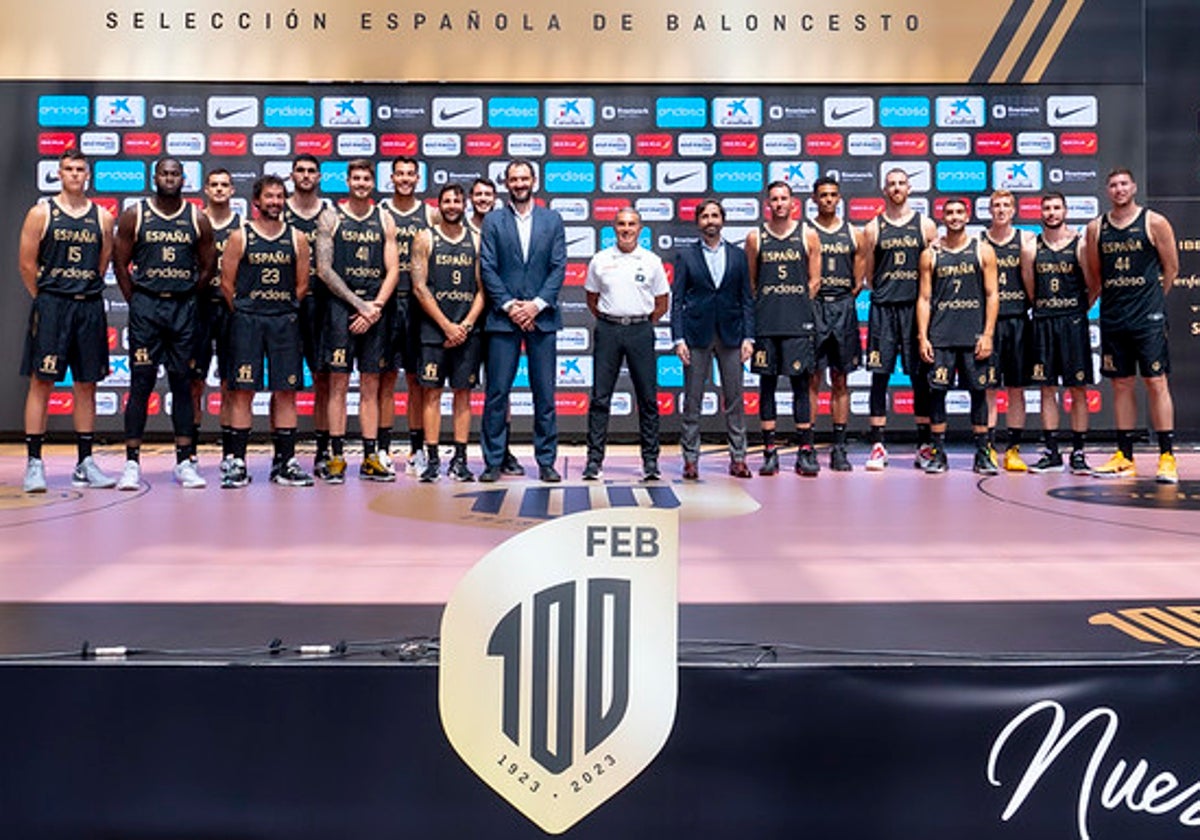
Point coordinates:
[(558, 678)]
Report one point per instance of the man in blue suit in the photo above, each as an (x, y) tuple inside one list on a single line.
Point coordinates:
[(523, 260), (712, 315)]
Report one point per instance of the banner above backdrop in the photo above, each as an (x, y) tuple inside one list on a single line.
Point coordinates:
[(926, 41)]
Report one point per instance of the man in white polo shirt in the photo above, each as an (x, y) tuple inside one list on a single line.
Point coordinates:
[(627, 292)]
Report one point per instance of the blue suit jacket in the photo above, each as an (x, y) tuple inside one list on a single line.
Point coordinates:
[(700, 310), (506, 276)]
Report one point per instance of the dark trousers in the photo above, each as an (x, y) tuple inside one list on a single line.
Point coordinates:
[(633, 344), (504, 353)]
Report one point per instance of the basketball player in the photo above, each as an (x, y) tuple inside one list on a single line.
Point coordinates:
[(892, 245), (356, 258), (163, 257), (1062, 352), (301, 212), (446, 284), (66, 245), (212, 329), (785, 273), (956, 319), (264, 277), (1015, 250), (1133, 262), (411, 216), (839, 347)]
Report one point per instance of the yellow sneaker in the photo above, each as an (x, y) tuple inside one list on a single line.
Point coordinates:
[(335, 470), (1168, 473), (1118, 466), (1013, 462)]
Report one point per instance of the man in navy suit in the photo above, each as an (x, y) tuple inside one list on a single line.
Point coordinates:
[(523, 260), (712, 314)]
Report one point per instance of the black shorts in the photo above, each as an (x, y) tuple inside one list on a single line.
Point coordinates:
[(892, 332), (777, 355), (66, 333), (212, 337), (254, 336), (957, 367), (1011, 351), (162, 331), (838, 345), (1126, 352), (407, 350), (312, 322), (341, 349), (457, 366), (1062, 351)]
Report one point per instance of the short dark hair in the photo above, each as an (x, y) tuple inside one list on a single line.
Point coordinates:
[(956, 200), (73, 154), (482, 182), (826, 181), (306, 158), (405, 159), (264, 181), (452, 187), (515, 162), (705, 202), (1119, 170), (1051, 196), (220, 170), (774, 185), (360, 163)]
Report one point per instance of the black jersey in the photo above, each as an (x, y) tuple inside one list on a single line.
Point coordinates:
[(220, 240), (451, 281), (307, 225), (69, 253), (957, 314), (408, 225), (1014, 303), (266, 275), (1131, 294), (781, 303), (358, 251), (837, 261), (1058, 284), (898, 248), (164, 249)]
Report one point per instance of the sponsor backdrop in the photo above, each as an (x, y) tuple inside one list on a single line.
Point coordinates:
[(1032, 109)]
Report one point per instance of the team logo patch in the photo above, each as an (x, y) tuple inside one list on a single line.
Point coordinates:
[(1133, 494), (558, 677)]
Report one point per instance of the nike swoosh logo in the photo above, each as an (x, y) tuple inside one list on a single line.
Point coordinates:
[(449, 115), (222, 114), (576, 241), (675, 179), (835, 114), (1060, 114)]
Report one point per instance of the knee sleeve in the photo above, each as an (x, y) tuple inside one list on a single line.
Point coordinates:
[(879, 385), (922, 395), (141, 385), (979, 409), (937, 406), (801, 411), (767, 385), (182, 415)]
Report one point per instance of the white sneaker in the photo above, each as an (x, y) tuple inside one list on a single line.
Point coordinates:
[(878, 459), (131, 476), (88, 474), (385, 460), (35, 476), (416, 463), (187, 476)]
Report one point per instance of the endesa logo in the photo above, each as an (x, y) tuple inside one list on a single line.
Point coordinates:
[(55, 142), (1017, 175), (737, 112), (910, 144), (737, 177), (824, 144), (739, 145), (333, 177), (120, 176), (606, 209), (904, 112), (345, 111), (120, 111), (654, 145), (513, 112), (570, 112), (189, 143), (681, 176), (612, 145), (781, 144), (289, 112), (697, 145), (681, 112), (960, 111), (670, 372), (483, 145), (799, 174), (392, 145), (994, 143), (64, 111), (359, 144), (99, 143), (1079, 143), (625, 177), (568, 145), (318, 145), (227, 144), (233, 111), (867, 144), (562, 177), (527, 145), (864, 209), (143, 143)]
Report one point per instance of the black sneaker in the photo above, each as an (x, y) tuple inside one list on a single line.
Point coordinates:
[(650, 471), (592, 471), (838, 461), (291, 474), (985, 464), (937, 463), (510, 465), (806, 461), (770, 462), (236, 476), (432, 471), (458, 470), (1079, 464), (1049, 462)]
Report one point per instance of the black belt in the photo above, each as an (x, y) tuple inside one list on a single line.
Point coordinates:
[(142, 290), (69, 296), (622, 320)]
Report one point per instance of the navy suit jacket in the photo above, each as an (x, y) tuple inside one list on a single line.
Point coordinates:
[(507, 276), (700, 310)]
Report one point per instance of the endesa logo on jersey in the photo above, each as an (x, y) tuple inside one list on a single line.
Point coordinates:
[(571, 209), (864, 209), (737, 112), (781, 144), (697, 145), (143, 143), (904, 112), (799, 174), (56, 142), (681, 112), (483, 145), (527, 145), (345, 111), (570, 112), (1079, 143), (227, 144), (951, 144), (271, 144), (1017, 175), (655, 209), (457, 112), (824, 144), (739, 145), (513, 112), (441, 145), (188, 143), (120, 111), (1036, 143), (120, 176), (612, 145), (1071, 111), (232, 111), (960, 111), (866, 144), (681, 176), (625, 177), (99, 143), (64, 111), (655, 145), (318, 145), (849, 111), (606, 209), (737, 177), (358, 144), (289, 112), (395, 145), (563, 177), (568, 145), (910, 144)]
